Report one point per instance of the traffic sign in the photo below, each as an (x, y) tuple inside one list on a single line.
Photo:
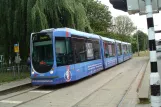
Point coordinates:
[(17, 59), (16, 48)]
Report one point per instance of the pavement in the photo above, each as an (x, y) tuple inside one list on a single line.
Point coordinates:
[(108, 95)]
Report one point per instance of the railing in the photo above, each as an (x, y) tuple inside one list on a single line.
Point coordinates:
[(13, 72)]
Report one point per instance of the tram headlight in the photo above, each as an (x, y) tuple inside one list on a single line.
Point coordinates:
[(33, 72), (51, 72)]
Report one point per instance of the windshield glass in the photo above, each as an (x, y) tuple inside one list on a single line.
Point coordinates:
[(42, 54)]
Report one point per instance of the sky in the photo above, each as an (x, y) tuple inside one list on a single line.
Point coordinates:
[(139, 21)]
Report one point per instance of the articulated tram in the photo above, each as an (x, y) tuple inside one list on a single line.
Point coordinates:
[(64, 55)]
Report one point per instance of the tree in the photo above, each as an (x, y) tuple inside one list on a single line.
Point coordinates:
[(19, 18), (123, 25), (142, 39), (98, 15)]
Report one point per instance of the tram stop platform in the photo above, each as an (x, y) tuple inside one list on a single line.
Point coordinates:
[(138, 95)]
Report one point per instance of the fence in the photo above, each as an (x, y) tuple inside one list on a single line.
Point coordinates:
[(13, 72)]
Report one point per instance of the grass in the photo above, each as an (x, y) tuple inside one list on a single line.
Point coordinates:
[(144, 101), (11, 76), (141, 54)]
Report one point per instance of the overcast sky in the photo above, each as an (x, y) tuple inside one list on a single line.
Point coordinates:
[(139, 21)]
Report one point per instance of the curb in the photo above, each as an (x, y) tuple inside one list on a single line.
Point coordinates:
[(139, 85), (15, 89), (144, 88)]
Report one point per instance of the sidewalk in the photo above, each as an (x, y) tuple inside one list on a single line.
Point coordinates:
[(139, 90), (15, 84)]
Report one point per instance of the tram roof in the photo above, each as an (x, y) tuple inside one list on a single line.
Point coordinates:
[(76, 32), (107, 39)]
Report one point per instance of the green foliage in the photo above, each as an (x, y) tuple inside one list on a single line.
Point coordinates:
[(98, 15), (134, 45), (21, 17), (115, 36), (142, 39)]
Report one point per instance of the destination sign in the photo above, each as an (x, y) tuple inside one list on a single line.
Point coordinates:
[(41, 37)]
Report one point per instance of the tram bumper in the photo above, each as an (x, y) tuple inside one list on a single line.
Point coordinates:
[(47, 81)]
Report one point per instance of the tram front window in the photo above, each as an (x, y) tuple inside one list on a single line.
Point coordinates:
[(42, 54), (64, 54)]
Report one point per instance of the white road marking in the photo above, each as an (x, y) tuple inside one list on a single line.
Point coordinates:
[(40, 91), (11, 102)]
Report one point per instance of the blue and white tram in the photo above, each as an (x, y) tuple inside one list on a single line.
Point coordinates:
[(63, 55)]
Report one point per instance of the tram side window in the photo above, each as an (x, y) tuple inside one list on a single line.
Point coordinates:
[(79, 49), (125, 49), (64, 54), (96, 49), (128, 48), (106, 54), (119, 49), (89, 49), (111, 49)]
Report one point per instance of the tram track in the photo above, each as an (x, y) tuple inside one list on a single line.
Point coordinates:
[(49, 90), (34, 98), (35, 89), (45, 89), (69, 89), (18, 93), (119, 104), (76, 105)]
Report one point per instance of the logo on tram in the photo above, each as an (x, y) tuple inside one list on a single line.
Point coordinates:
[(68, 74)]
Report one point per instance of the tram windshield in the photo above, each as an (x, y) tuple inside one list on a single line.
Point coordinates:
[(42, 53)]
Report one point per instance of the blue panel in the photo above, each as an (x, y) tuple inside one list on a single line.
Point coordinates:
[(94, 66), (120, 59), (126, 57), (61, 34), (80, 70), (88, 68), (109, 62)]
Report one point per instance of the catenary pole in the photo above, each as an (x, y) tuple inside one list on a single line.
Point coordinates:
[(154, 76)]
